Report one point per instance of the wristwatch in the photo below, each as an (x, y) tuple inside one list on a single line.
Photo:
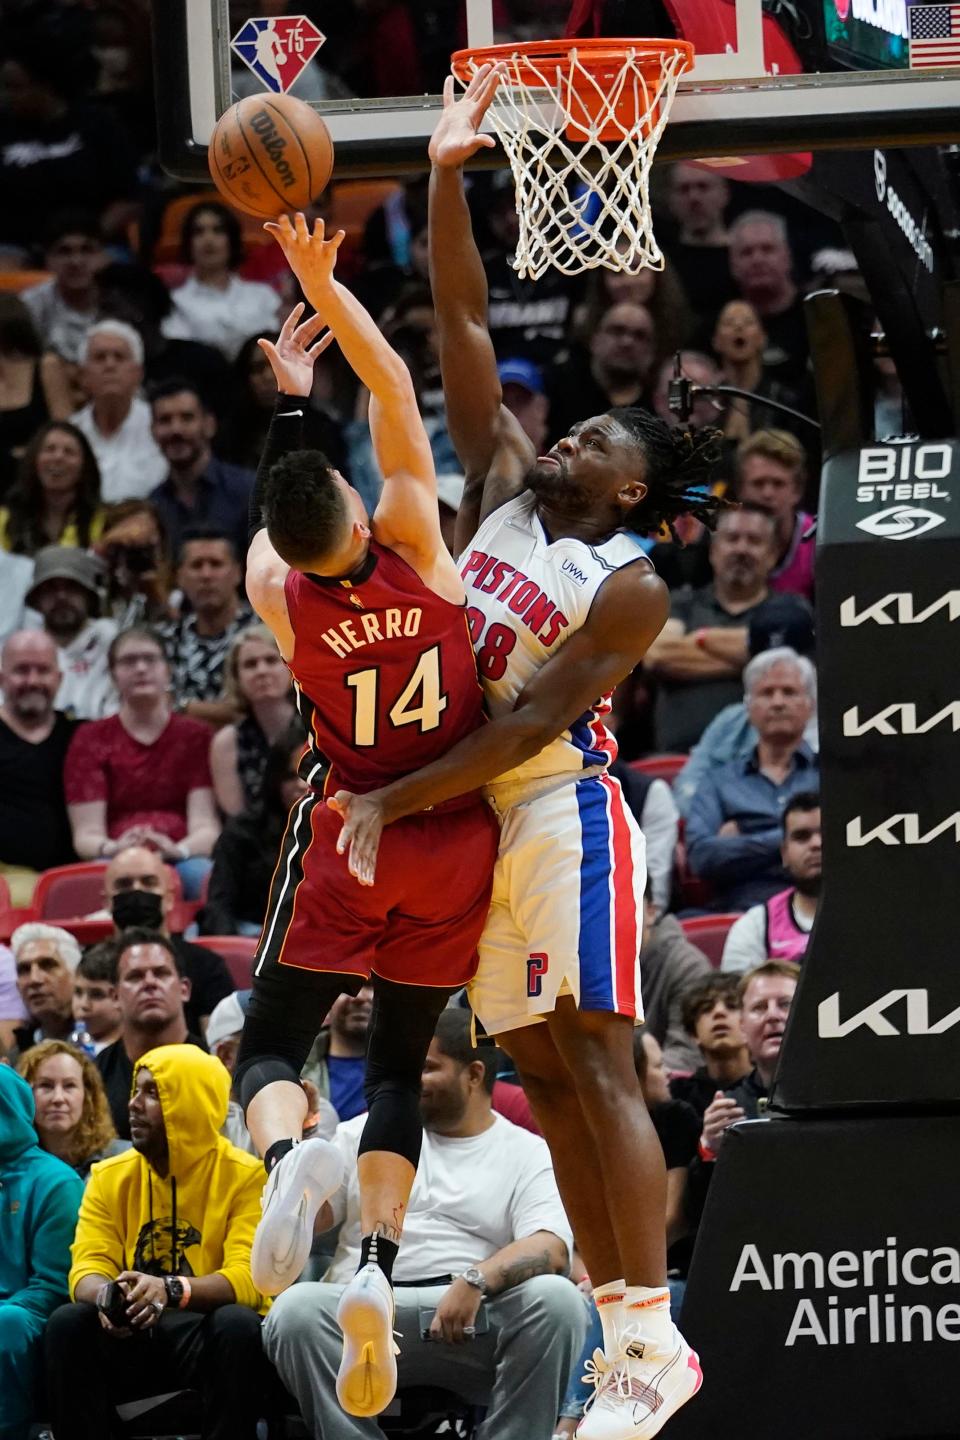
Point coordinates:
[(476, 1278), (175, 1291)]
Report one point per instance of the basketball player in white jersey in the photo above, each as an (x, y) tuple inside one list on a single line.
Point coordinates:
[(562, 605)]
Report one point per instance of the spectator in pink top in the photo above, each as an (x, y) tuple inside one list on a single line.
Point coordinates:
[(771, 474), (142, 777)]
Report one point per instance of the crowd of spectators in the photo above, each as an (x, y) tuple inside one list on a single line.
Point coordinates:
[(147, 723)]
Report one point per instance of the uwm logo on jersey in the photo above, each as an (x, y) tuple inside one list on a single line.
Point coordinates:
[(900, 719), (900, 607)]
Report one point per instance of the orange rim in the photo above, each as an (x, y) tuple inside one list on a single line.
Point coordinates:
[(595, 56)]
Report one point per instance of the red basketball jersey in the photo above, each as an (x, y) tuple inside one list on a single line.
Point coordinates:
[(385, 670)]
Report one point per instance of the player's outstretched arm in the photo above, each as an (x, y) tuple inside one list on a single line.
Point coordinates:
[(408, 515), (292, 357), (627, 615), (493, 450)]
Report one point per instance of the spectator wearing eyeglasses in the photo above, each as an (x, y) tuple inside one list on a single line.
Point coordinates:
[(142, 777), (618, 369)]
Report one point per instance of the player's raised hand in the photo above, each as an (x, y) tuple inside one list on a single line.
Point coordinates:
[(296, 348), (360, 836), (310, 255), (457, 134)]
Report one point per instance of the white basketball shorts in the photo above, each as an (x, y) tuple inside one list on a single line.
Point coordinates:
[(567, 910)]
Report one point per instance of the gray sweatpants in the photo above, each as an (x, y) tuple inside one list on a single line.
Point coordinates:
[(519, 1369)]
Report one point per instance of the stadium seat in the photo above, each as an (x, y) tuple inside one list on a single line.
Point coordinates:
[(74, 892), (238, 952), (709, 933), (660, 767)]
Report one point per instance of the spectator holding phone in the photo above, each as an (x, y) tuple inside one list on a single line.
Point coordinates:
[(483, 1307), (134, 549), (161, 1287)]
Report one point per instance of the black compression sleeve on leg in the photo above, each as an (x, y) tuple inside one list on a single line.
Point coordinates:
[(402, 1021), (285, 434), (286, 1011)]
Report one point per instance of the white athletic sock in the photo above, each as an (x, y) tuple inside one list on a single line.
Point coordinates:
[(649, 1310), (609, 1302)]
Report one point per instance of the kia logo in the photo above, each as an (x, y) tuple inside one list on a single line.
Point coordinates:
[(900, 522)]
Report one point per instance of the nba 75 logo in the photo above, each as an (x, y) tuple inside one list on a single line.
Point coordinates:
[(278, 49), (537, 967)]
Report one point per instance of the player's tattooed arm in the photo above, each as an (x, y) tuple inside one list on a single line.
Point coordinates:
[(628, 613)]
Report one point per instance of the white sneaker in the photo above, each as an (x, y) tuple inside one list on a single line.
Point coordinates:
[(297, 1187), (637, 1393), (367, 1381)]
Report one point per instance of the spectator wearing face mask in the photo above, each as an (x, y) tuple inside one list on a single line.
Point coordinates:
[(138, 892)]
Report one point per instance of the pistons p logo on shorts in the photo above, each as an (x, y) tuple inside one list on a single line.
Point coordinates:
[(537, 967)]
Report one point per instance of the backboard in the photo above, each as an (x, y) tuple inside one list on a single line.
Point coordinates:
[(825, 74)]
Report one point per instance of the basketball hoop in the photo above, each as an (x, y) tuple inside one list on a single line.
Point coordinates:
[(580, 121)]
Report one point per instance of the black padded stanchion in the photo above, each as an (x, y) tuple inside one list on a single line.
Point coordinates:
[(824, 1295)]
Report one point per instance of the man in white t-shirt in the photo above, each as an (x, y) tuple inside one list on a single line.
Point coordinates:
[(483, 1307), (780, 928), (117, 420)]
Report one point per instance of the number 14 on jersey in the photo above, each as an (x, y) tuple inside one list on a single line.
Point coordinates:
[(420, 702)]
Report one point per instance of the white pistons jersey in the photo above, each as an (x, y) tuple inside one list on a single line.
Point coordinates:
[(526, 595)]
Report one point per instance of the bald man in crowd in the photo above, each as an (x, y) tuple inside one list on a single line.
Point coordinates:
[(34, 829)]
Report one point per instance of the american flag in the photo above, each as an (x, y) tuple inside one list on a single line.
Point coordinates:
[(934, 36)]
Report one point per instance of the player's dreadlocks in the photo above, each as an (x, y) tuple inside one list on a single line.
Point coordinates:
[(680, 463)]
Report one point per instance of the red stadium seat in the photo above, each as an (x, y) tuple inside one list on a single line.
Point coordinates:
[(69, 891), (238, 952), (73, 892), (709, 934), (661, 767), (87, 932)]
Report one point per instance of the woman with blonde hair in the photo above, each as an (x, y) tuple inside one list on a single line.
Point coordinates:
[(72, 1114), (258, 685)]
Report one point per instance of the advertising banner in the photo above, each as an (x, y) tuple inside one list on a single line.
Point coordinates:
[(876, 1021), (824, 1295)]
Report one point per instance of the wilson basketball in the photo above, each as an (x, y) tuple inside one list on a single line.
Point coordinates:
[(270, 153)]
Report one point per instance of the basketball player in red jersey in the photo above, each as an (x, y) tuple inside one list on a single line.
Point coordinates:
[(563, 605), (370, 617)]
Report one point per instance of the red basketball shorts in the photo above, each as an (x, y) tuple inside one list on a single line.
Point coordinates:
[(418, 924)]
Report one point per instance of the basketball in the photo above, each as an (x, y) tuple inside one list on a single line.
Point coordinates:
[(270, 154)]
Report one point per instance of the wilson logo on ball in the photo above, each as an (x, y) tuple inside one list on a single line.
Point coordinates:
[(275, 146)]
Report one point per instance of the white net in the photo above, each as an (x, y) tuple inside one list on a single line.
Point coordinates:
[(581, 142)]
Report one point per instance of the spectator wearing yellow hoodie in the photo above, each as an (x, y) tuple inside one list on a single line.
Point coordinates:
[(171, 1221)]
